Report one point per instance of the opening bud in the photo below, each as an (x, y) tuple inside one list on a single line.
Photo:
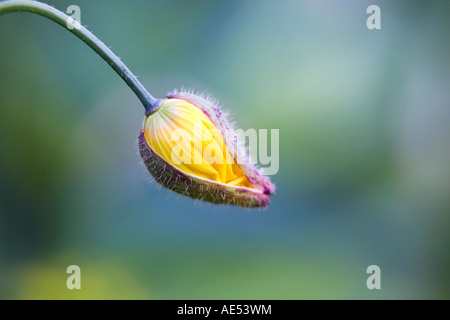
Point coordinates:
[(189, 147)]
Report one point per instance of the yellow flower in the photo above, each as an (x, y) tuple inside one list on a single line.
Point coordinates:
[(186, 145)]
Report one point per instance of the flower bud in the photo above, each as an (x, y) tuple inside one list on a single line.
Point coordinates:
[(189, 147)]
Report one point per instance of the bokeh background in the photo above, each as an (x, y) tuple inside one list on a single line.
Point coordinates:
[(364, 152)]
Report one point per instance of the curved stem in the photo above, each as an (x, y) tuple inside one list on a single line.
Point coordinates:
[(87, 37)]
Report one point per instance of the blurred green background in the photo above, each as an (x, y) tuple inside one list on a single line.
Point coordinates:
[(364, 151)]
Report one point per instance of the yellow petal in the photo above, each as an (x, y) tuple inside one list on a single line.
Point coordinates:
[(184, 136)]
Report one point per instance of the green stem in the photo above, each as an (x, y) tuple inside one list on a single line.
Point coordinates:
[(87, 37)]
